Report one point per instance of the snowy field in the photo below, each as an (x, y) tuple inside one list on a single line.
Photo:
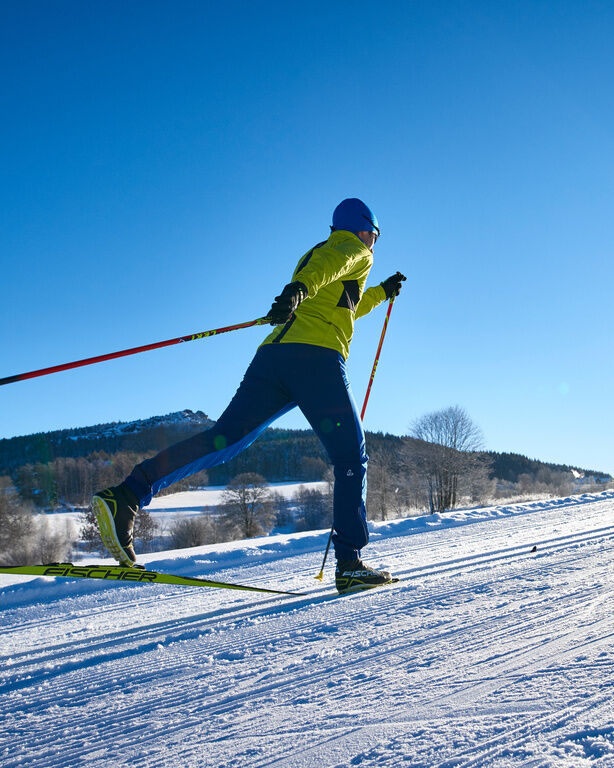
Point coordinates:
[(164, 510), (485, 654)]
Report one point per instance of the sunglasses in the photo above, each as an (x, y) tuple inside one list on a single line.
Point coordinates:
[(377, 232)]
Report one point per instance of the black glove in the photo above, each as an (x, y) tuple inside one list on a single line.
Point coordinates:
[(392, 284), (288, 300)]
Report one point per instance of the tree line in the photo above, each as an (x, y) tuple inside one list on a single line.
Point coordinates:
[(39, 466), (72, 482)]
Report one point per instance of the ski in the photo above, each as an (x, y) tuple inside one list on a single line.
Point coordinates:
[(117, 573)]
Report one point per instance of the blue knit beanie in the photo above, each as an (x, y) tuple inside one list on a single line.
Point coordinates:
[(352, 215)]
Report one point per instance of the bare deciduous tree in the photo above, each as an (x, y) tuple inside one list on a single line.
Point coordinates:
[(90, 534), (16, 521), (315, 509), (448, 459), (246, 505), (145, 529), (27, 538), (382, 492), (451, 427), (196, 531)]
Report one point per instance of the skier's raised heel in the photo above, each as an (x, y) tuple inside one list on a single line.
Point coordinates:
[(115, 509), (354, 575)]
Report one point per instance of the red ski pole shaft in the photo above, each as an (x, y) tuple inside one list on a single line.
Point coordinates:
[(132, 351), (320, 575), (376, 361)]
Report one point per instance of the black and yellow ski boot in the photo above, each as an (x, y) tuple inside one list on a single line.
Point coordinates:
[(115, 509), (354, 575)]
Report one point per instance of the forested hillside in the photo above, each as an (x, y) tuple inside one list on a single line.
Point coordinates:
[(66, 466), (141, 436)]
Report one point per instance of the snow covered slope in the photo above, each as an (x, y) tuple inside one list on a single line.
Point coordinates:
[(486, 654)]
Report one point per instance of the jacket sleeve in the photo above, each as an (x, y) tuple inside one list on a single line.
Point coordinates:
[(370, 299), (322, 266)]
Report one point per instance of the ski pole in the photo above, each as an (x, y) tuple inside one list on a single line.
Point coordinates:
[(132, 351), (376, 361), (320, 575)]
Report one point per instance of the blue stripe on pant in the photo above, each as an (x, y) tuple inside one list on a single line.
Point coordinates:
[(279, 378)]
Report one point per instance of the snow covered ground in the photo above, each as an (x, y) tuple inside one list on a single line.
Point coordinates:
[(166, 509), (485, 654)]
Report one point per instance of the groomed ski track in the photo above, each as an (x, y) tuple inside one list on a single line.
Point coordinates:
[(485, 654)]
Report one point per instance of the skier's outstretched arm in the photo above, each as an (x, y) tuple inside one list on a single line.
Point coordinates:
[(374, 296)]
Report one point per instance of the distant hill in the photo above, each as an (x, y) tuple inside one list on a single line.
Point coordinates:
[(141, 436), (510, 466)]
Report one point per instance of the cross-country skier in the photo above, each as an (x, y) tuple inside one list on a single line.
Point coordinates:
[(301, 363)]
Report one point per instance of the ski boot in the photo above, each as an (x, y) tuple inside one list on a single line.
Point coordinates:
[(354, 575), (115, 509)]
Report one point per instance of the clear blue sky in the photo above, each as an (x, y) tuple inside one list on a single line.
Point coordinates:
[(165, 164)]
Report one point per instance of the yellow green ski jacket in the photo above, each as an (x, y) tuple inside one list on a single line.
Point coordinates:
[(334, 273)]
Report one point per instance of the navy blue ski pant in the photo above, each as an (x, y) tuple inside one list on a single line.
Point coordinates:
[(279, 378)]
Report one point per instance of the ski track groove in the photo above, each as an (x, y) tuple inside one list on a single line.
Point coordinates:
[(491, 684), (491, 747), (534, 631), (286, 686), (219, 650), (195, 627)]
